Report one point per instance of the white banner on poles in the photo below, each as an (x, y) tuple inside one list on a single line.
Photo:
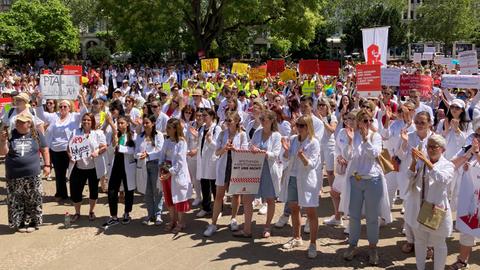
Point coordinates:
[(468, 62), (246, 171), (375, 45)]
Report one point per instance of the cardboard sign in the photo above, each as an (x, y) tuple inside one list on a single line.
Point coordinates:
[(308, 66), (328, 68), (422, 83), (240, 68), (369, 80), (391, 76), (288, 74), (246, 171), (257, 74), (468, 210), (209, 65), (468, 62), (59, 86), (461, 81), (79, 147), (275, 67)]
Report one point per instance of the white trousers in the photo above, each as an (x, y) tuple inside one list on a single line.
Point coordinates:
[(424, 239)]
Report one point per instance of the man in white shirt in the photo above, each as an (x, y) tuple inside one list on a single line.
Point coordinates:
[(414, 95)]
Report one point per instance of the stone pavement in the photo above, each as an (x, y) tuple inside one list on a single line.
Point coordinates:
[(135, 246)]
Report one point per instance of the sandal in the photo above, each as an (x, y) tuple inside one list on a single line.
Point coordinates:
[(266, 233), (91, 216), (429, 253), (241, 234), (75, 218), (407, 247), (178, 228), (170, 226), (458, 265)]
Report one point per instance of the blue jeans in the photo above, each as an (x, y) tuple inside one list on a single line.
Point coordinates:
[(153, 195), (369, 191)]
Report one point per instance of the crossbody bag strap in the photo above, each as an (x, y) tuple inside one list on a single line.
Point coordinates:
[(423, 182)]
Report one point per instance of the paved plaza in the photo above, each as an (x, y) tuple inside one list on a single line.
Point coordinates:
[(135, 246)]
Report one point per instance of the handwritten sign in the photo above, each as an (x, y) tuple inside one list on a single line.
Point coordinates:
[(461, 81), (246, 171), (258, 74), (209, 65), (288, 74), (468, 62), (391, 76), (59, 86), (369, 80), (79, 147), (240, 68), (423, 83)]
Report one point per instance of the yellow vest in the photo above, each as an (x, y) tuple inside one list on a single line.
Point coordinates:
[(308, 87)]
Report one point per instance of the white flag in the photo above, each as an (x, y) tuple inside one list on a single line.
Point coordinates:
[(375, 45)]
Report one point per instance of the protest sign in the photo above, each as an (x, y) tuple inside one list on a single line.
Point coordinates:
[(461, 81), (257, 74), (166, 87), (79, 147), (308, 66), (59, 86), (6, 103), (444, 61), (240, 68), (417, 57), (427, 56), (328, 68), (468, 210), (422, 83), (375, 45), (246, 171), (368, 80), (288, 74), (391, 76), (72, 70), (275, 66), (468, 62), (209, 65), (429, 49)]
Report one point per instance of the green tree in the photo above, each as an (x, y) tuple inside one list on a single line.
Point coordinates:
[(447, 21), (39, 28), (98, 54), (85, 13)]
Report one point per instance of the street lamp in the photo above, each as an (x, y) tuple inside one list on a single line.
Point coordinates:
[(333, 40)]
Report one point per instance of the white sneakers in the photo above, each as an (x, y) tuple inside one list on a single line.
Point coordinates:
[(331, 221), (263, 209), (312, 251), (293, 243), (197, 202), (211, 229), (282, 221), (233, 225), (202, 213)]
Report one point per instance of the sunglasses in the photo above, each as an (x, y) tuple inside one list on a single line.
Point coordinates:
[(154, 106), (63, 106), (188, 112), (229, 120), (433, 147), (50, 103), (386, 94), (300, 125), (205, 115), (366, 121), (420, 123), (322, 105)]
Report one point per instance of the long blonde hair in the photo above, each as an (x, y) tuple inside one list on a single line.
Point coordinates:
[(309, 122)]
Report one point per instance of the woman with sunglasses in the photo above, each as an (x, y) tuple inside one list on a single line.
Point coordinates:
[(174, 176), (229, 140), (132, 112), (61, 124), (162, 118), (365, 184), (345, 106), (254, 118), (174, 107), (301, 186), (191, 123)]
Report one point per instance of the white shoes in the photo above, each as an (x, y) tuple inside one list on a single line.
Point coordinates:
[(233, 225), (256, 203), (263, 209), (282, 221), (293, 243), (312, 251), (202, 213), (158, 220), (333, 222), (211, 229), (306, 228), (197, 202)]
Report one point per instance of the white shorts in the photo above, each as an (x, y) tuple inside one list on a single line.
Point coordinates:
[(328, 157)]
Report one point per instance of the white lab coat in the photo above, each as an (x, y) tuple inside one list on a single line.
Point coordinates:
[(206, 158), (153, 154), (308, 186), (274, 147), (128, 161), (176, 153), (239, 141)]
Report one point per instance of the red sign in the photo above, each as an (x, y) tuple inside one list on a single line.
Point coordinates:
[(6, 103), (308, 66), (329, 68), (274, 67), (369, 83), (72, 70), (423, 83)]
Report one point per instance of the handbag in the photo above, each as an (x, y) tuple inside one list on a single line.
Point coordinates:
[(385, 161), (430, 215)]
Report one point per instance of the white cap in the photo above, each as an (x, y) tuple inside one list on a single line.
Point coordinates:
[(458, 102)]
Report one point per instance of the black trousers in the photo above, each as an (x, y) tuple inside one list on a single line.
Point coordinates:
[(208, 188), (78, 179), (60, 162), (118, 177)]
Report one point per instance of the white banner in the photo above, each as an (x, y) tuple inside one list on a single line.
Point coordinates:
[(442, 60), (427, 56), (375, 45), (59, 86), (469, 203), (417, 57), (461, 81), (391, 76), (246, 171), (79, 147), (468, 62)]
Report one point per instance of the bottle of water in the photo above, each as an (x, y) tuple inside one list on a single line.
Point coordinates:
[(67, 220)]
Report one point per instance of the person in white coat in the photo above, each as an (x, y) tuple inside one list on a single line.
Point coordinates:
[(87, 168), (266, 140), (430, 176), (174, 175), (207, 159), (300, 186), (147, 152), (365, 178), (121, 172), (228, 140)]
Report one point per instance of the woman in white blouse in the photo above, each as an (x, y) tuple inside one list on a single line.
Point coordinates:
[(228, 140), (174, 175)]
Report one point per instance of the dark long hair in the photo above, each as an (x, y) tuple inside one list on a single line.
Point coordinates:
[(152, 119), (130, 142), (463, 119), (350, 103)]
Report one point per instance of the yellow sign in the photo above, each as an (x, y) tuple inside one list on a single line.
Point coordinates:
[(288, 74), (209, 65), (240, 68), (258, 74), (166, 87)]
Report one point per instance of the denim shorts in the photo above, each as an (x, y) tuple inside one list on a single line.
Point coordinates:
[(292, 189)]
